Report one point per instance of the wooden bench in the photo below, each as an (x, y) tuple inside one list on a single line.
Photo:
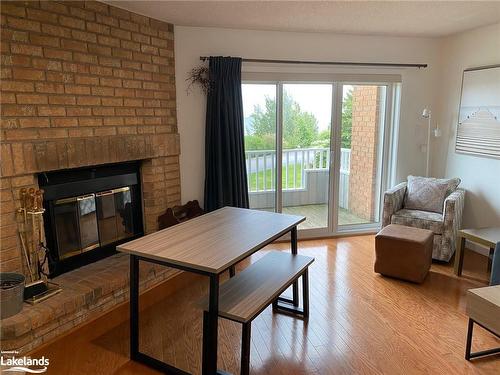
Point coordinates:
[(246, 295)]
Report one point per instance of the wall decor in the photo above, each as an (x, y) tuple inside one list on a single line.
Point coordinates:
[(478, 130)]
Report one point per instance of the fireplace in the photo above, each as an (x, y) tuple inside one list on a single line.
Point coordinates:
[(88, 212)]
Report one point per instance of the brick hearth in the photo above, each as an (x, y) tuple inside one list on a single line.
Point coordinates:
[(83, 84), (87, 293)]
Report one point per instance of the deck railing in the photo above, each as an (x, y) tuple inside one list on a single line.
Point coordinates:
[(261, 169)]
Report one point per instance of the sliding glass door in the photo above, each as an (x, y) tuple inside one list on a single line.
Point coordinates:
[(318, 149), (259, 111), (307, 117)]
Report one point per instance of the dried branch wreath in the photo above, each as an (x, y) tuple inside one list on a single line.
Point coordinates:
[(199, 76)]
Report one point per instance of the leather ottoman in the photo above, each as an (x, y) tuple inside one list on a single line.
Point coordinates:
[(403, 252)]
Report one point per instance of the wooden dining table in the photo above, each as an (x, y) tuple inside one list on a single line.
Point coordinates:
[(207, 245)]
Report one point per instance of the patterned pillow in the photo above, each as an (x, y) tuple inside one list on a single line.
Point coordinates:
[(428, 194)]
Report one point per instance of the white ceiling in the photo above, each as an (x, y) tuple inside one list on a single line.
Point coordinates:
[(397, 18)]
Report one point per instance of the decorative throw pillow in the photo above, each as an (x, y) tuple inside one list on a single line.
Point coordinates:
[(428, 194)]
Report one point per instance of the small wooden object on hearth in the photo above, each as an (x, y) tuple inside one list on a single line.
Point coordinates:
[(179, 214)]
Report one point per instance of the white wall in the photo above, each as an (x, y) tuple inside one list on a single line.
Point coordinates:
[(419, 85), (480, 176)]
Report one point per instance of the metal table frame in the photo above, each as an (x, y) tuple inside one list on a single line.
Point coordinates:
[(483, 353), (210, 330)]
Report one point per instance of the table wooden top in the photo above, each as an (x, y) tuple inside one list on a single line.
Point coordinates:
[(215, 241), (484, 236)]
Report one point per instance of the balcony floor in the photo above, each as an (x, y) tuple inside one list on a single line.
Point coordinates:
[(316, 215)]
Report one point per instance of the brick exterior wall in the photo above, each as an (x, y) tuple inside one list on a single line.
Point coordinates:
[(364, 142), (83, 84)]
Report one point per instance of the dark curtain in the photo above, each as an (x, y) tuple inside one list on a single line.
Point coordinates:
[(225, 170)]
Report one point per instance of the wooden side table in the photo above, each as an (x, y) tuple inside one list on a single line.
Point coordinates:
[(483, 308), (485, 236)]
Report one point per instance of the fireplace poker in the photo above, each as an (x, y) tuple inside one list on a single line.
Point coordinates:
[(25, 252), (22, 233)]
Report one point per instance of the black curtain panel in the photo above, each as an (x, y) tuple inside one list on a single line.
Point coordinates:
[(225, 170)]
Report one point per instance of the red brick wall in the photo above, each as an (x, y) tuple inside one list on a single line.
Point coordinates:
[(84, 83), (364, 142)]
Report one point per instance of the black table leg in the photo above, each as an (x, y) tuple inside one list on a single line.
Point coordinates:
[(134, 307), (210, 322), (483, 353), (135, 354), (245, 348)]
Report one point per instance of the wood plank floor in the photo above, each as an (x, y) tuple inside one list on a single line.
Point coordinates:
[(360, 323)]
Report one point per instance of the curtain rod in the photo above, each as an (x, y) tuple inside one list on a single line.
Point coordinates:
[(345, 63)]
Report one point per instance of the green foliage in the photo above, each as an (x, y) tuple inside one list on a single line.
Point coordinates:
[(256, 142), (290, 184), (300, 128), (347, 120)]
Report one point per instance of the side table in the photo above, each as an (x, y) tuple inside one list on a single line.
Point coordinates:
[(484, 236)]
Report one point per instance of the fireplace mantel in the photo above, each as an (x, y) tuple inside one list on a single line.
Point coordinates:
[(40, 156)]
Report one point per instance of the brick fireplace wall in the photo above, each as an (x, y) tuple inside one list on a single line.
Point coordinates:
[(364, 142), (83, 84)]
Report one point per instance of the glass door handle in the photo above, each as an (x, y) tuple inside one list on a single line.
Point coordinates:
[(84, 197), (104, 193)]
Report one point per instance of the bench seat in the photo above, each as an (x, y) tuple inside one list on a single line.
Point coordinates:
[(244, 296)]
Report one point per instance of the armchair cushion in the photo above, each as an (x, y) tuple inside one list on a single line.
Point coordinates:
[(428, 194), (419, 219)]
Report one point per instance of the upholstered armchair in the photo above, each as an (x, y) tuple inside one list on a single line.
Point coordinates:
[(444, 225)]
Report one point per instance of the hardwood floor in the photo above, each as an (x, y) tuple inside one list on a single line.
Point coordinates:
[(360, 323)]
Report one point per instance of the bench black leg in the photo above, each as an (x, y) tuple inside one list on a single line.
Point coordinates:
[(468, 354), (305, 293), (286, 305), (245, 348), (295, 287), (232, 271)]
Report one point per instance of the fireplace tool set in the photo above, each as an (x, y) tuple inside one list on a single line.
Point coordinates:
[(35, 253)]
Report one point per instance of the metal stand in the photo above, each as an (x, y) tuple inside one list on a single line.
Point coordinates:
[(468, 354)]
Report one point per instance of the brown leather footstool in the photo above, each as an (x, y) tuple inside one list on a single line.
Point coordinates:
[(403, 252)]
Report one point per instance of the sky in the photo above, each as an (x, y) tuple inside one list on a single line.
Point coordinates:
[(313, 98)]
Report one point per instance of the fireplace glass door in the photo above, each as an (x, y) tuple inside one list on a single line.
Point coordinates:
[(76, 225), (114, 213)]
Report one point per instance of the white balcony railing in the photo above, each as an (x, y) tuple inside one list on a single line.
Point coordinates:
[(261, 169)]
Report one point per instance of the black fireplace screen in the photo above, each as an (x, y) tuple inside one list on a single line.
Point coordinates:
[(86, 222), (103, 211)]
